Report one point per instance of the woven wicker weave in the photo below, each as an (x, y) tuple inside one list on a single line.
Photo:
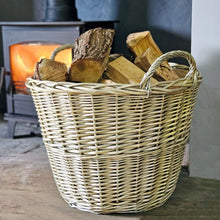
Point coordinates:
[(117, 148)]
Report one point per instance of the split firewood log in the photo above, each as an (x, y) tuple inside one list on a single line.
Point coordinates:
[(180, 70), (163, 72), (91, 55), (47, 69), (146, 51), (121, 70), (139, 42)]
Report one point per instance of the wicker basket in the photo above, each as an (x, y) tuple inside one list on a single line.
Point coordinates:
[(117, 148)]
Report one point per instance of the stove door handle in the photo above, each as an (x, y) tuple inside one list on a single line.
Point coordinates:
[(2, 77)]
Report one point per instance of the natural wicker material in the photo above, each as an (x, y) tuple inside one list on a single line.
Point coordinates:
[(117, 148)]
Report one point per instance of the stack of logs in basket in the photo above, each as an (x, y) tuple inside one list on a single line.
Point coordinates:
[(93, 63)]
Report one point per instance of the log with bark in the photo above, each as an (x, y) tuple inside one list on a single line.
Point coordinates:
[(91, 55), (51, 70)]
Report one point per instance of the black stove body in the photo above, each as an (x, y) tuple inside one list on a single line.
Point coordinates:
[(20, 107)]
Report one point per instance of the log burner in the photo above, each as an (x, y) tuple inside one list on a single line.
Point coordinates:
[(24, 44)]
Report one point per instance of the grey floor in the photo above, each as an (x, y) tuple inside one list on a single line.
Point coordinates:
[(28, 191)]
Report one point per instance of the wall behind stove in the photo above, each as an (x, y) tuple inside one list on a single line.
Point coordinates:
[(168, 20)]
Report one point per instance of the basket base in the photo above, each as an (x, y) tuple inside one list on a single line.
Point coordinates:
[(132, 209)]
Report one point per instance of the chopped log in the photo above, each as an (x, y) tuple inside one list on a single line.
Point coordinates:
[(180, 70), (146, 52), (139, 42), (91, 55), (47, 69), (164, 72), (122, 70)]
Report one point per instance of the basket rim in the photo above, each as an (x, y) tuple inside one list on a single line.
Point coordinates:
[(163, 87)]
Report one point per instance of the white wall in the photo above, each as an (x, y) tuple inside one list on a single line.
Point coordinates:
[(205, 47)]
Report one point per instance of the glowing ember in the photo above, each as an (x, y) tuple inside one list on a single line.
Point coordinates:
[(24, 56)]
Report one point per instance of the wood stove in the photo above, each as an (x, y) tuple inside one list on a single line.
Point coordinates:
[(20, 35)]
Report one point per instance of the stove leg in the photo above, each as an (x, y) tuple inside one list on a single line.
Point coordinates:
[(11, 128)]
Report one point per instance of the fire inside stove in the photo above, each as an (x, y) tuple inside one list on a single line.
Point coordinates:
[(24, 56)]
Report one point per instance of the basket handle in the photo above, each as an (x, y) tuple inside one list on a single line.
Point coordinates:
[(60, 48), (193, 72)]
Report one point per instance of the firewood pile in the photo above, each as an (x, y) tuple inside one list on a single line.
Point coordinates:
[(93, 63)]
